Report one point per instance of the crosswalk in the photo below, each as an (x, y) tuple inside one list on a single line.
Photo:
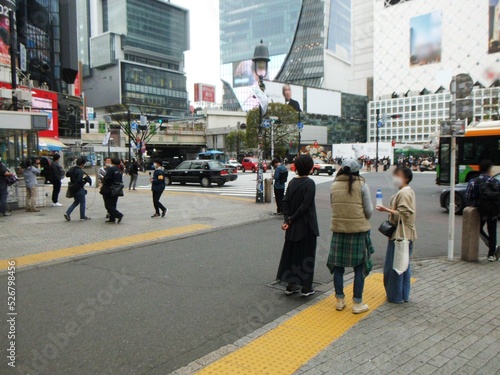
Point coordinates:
[(244, 186)]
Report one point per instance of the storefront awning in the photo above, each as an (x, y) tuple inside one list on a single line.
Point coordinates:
[(50, 144)]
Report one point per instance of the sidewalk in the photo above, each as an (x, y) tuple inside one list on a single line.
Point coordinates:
[(33, 233), (450, 327)]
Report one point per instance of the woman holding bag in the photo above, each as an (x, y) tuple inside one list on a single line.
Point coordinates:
[(401, 214)]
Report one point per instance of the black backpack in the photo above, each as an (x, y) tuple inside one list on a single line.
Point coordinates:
[(489, 199)]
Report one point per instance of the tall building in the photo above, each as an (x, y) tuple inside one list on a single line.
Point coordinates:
[(311, 43), (132, 53)]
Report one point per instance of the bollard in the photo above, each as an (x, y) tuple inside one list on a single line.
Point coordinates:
[(268, 190), (470, 234)]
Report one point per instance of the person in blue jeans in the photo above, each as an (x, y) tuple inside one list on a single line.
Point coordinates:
[(78, 179), (403, 208), (280, 176)]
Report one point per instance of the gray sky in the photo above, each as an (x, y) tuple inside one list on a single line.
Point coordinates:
[(203, 59)]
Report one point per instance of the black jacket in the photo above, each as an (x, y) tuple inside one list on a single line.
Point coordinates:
[(299, 208), (134, 169), (295, 105), (113, 176), (78, 178)]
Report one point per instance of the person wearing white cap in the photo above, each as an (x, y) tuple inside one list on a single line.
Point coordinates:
[(351, 244)]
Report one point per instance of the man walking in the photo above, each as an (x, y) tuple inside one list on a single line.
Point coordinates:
[(483, 192), (112, 179), (30, 172), (78, 179), (157, 187), (280, 178), (4, 173), (57, 174), (134, 174)]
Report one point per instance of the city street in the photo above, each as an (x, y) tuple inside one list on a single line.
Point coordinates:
[(155, 308)]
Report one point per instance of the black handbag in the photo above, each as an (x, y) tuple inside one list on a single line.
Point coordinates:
[(387, 228), (117, 189)]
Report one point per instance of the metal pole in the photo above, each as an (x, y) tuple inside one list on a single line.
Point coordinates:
[(129, 137), (259, 196), (377, 139), (300, 138), (451, 221), (272, 141), (13, 57)]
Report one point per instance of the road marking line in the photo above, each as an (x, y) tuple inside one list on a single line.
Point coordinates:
[(103, 245), (314, 328)]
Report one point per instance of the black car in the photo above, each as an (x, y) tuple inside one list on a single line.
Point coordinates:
[(204, 172), (460, 199)]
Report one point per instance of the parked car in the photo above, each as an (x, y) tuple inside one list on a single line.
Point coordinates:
[(319, 167), (233, 164), (252, 164), (204, 172), (460, 199)]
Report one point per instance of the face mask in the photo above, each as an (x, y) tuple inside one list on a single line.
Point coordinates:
[(397, 181), (156, 166), (108, 165)]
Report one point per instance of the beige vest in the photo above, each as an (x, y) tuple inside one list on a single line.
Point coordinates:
[(348, 215)]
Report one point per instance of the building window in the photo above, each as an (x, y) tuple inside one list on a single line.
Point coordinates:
[(340, 29)]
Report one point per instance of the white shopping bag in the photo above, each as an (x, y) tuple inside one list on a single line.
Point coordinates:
[(401, 252)]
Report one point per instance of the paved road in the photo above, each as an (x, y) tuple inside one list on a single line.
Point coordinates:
[(154, 309)]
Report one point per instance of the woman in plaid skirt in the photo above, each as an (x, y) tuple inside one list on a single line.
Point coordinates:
[(296, 267), (351, 243)]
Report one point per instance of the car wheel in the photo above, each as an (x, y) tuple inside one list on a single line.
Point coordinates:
[(168, 181), (254, 170), (459, 204), (330, 173), (316, 172), (221, 184), (205, 182)]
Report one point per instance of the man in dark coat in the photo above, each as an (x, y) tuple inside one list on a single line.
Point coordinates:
[(113, 177), (287, 94)]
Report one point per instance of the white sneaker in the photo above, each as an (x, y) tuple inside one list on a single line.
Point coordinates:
[(358, 308), (340, 304), (491, 259), (57, 204)]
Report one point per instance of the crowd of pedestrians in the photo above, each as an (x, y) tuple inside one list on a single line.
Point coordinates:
[(351, 245)]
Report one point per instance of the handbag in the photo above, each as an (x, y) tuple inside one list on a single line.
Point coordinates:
[(387, 228), (401, 252), (11, 180), (69, 193), (117, 189)]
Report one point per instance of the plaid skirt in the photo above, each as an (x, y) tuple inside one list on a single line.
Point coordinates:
[(350, 250)]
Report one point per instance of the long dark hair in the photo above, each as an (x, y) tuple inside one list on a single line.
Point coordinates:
[(354, 176)]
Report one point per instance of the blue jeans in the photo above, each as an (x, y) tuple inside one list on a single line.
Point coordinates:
[(397, 287), (79, 200), (359, 282), (3, 199)]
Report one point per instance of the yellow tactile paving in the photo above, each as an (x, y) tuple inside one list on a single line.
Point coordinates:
[(103, 245), (286, 348)]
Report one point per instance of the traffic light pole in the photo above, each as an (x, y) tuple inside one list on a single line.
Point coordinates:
[(451, 220), (129, 137), (377, 139)]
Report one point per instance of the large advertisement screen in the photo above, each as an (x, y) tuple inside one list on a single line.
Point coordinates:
[(243, 74), (6, 7), (426, 39), (494, 27)]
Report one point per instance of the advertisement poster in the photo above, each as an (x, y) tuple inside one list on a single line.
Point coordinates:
[(45, 106), (204, 93), (6, 7), (426, 39), (494, 27), (317, 151), (243, 74)]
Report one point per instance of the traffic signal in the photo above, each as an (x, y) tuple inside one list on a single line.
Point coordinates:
[(396, 116), (393, 143)]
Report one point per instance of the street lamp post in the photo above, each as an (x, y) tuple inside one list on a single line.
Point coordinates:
[(261, 61), (377, 139)]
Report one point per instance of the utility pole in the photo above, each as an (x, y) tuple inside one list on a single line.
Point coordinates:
[(129, 136), (453, 117), (377, 120), (13, 57)]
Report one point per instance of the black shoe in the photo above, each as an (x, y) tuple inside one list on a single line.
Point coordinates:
[(108, 216), (155, 215), (292, 289), (86, 218), (66, 216), (109, 221), (164, 213), (306, 292), (120, 218)]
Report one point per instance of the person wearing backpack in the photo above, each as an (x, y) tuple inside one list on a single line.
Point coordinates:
[(4, 173), (78, 179), (280, 178), (157, 187), (483, 192)]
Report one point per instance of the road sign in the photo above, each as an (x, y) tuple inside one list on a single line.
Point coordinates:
[(266, 123), (134, 125), (380, 124), (465, 84), (452, 128), (384, 118), (144, 120), (465, 108), (300, 126)]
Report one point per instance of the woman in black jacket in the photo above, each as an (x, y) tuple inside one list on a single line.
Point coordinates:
[(112, 178), (301, 225)]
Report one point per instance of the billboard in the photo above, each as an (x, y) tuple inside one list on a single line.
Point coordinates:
[(204, 93), (362, 150), (274, 91), (426, 32), (494, 27), (6, 7), (243, 74), (324, 102)]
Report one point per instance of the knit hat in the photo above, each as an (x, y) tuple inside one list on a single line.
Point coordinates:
[(352, 164)]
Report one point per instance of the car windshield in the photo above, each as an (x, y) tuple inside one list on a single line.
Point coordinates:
[(215, 164)]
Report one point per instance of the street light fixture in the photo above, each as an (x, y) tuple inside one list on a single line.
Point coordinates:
[(261, 61)]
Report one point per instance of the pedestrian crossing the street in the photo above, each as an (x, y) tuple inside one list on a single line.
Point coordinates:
[(244, 186)]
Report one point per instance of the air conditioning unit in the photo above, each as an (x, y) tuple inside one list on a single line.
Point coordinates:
[(5, 93), (24, 95)]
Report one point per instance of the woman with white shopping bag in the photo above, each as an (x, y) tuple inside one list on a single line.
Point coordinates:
[(397, 271)]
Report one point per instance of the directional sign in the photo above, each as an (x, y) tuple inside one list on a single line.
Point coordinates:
[(300, 126), (465, 84), (380, 124), (465, 108), (266, 123), (384, 118), (134, 125)]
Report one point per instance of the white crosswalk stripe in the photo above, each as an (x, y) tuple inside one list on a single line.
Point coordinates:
[(244, 186)]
